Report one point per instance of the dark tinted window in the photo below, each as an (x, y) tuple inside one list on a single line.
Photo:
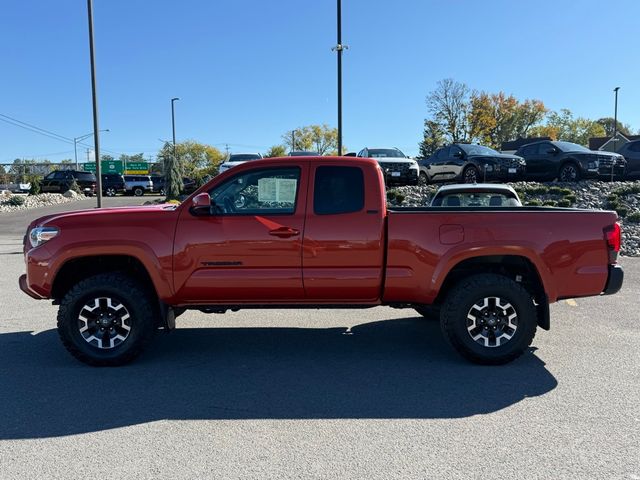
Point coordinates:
[(338, 190), (240, 157), (443, 153), (85, 177), (634, 147), (529, 150), (454, 150)]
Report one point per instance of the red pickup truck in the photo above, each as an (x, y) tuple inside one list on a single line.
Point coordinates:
[(312, 233)]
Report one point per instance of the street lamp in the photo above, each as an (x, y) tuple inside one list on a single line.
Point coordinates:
[(615, 128), (173, 123), (79, 139), (339, 48)]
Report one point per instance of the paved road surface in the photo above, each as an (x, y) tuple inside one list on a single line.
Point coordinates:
[(372, 394)]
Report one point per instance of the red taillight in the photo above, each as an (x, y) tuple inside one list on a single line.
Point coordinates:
[(612, 235)]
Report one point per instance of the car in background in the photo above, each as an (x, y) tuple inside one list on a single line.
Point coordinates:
[(237, 159), (112, 184), (470, 163), (137, 185), (303, 153), (59, 181), (476, 195), (569, 162), (159, 184), (398, 168), (631, 152)]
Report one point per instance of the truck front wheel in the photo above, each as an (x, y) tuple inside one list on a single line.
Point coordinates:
[(106, 320), (489, 319)]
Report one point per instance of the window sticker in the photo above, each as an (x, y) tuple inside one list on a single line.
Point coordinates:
[(277, 190)]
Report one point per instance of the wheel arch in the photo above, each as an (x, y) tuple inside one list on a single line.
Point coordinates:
[(76, 269), (519, 268)]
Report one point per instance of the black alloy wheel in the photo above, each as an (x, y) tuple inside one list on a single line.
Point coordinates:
[(569, 173), (470, 175)]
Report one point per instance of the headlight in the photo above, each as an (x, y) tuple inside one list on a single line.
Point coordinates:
[(40, 235), (414, 166)]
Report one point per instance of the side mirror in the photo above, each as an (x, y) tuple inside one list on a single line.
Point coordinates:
[(552, 151), (201, 204), (457, 154)]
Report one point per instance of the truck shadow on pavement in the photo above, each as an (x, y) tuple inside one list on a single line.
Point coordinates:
[(387, 369)]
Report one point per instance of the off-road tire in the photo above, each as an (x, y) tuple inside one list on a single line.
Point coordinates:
[(122, 289), (464, 295), (429, 312)]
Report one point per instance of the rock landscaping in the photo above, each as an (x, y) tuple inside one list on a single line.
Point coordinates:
[(11, 203)]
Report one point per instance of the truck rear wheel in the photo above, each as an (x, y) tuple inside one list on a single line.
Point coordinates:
[(489, 319), (106, 320)]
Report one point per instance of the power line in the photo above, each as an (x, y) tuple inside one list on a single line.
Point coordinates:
[(33, 130), (36, 128)]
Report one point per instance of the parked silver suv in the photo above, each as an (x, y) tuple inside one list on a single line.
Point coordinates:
[(137, 185)]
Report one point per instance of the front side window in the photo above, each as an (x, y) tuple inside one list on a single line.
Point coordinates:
[(338, 190), (258, 192)]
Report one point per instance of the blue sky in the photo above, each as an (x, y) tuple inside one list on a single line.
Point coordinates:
[(247, 70)]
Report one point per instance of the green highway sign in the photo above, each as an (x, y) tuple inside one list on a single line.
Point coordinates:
[(137, 167), (112, 166)]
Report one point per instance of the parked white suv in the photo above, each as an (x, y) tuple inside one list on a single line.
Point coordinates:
[(237, 159), (398, 169), (137, 185)]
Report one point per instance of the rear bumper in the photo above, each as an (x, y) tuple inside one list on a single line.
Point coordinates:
[(22, 282), (614, 280)]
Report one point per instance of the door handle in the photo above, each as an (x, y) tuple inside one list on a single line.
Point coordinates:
[(284, 232)]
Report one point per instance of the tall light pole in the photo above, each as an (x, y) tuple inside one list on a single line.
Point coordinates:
[(79, 139), (94, 95), (173, 124), (339, 48), (615, 128)]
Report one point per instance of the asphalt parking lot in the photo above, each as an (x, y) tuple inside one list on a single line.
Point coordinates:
[(319, 394)]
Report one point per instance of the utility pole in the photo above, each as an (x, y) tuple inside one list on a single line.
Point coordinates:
[(293, 140), (615, 128), (96, 137), (339, 48)]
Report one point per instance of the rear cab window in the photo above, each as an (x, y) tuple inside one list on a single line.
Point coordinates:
[(338, 190)]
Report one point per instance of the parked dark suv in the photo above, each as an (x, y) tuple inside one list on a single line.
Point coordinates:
[(463, 162), (631, 152), (112, 184), (59, 181), (569, 162)]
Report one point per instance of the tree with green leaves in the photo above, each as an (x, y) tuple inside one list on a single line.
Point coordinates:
[(563, 126), (432, 138), (172, 171), (608, 123), (276, 151)]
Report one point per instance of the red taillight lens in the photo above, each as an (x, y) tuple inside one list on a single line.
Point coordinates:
[(613, 236)]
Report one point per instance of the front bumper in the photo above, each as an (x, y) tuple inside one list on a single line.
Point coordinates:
[(504, 172), (614, 280), (24, 286), (408, 178)]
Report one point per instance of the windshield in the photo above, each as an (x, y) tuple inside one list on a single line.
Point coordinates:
[(570, 147), (478, 150), (385, 153), (475, 199), (244, 157)]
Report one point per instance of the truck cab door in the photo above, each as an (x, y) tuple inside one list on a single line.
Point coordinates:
[(249, 249), (343, 246)]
